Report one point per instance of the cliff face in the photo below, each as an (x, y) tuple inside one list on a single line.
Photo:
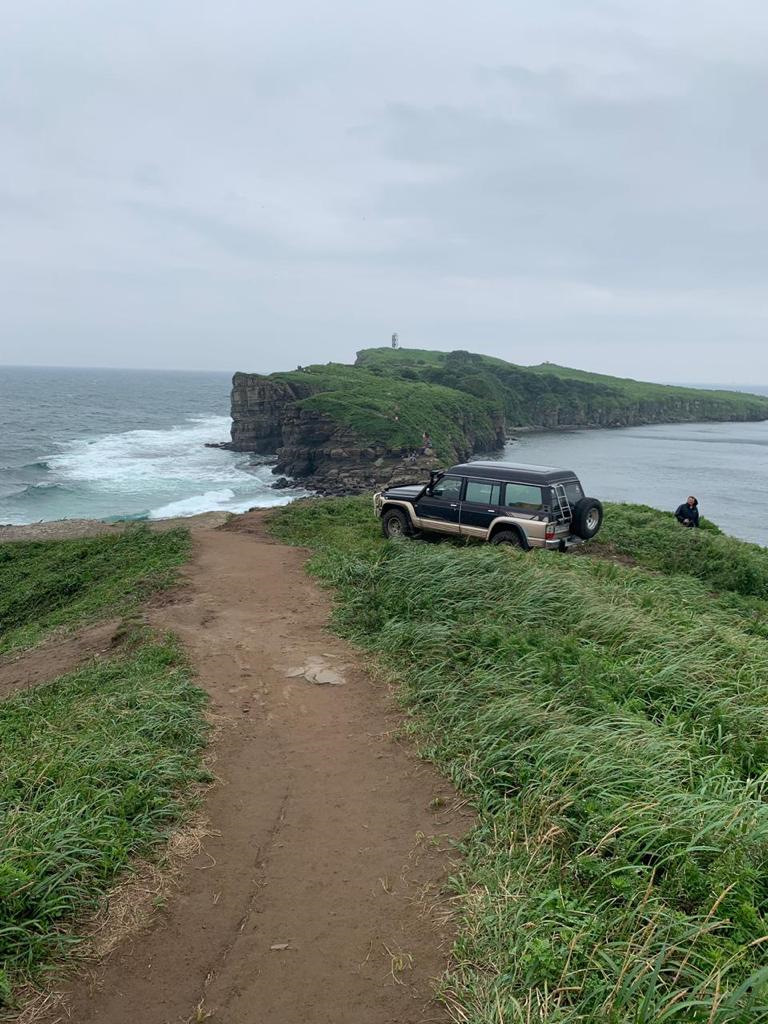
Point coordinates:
[(310, 446), (345, 429)]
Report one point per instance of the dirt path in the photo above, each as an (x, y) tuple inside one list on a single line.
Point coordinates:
[(55, 657), (305, 904)]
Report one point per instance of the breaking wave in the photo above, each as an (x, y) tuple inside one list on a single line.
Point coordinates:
[(168, 472)]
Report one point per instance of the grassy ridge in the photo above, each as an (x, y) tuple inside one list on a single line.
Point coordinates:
[(611, 726), (93, 773), (655, 540), (45, 584), (393, 411), (547, 394)]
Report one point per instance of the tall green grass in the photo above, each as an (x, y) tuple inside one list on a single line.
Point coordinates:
[(95, 768), (611, 727), (45, 584), (656, 540)]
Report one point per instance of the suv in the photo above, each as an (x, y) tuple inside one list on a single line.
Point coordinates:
[(500, 502)]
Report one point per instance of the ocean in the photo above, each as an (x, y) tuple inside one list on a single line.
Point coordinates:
[(97, 444)]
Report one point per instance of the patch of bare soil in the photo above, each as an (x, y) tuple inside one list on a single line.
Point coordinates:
[(604, 551), (71, 529), (313, 897), (55, 657)]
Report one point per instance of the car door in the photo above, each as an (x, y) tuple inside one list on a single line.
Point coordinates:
[(439, 508), (479, 506)]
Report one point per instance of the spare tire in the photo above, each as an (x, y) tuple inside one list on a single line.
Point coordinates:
[(587, 518)]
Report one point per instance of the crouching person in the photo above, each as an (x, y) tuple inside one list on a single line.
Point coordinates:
[(687, 514)]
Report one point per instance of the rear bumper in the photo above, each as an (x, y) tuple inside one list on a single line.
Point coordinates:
[(563, 543)]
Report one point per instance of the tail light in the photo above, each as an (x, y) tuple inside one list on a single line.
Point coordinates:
[(550, 532)]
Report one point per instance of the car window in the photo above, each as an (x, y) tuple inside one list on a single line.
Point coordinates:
[(484, 491), (449, 488), (525, 497), (573, 491)]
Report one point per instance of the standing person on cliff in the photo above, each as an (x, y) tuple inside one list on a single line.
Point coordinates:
[(687, 514)]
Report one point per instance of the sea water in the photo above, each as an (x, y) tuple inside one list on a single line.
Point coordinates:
[(98, 444), (127, 443)]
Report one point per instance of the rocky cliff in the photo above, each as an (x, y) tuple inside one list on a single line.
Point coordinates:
[(269, 418), (346, 429)]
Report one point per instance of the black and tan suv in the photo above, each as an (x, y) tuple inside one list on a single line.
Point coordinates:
[(500, 502)]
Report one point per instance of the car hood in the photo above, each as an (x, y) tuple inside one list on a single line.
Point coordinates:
[(407, 493)]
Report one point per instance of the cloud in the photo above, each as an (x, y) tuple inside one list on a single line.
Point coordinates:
[(243, 186)]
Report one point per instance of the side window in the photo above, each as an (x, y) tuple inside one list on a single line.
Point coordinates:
[(523, 497), (449, 488), (483, 491)]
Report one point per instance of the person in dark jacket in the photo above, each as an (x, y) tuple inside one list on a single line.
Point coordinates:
[(688, 513)]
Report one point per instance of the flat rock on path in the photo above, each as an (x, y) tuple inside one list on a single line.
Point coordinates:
[(306, 903)]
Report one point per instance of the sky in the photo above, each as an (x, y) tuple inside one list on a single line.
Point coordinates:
[(252, 186)]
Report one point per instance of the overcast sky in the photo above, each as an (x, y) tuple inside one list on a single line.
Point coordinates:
[(243, 185)]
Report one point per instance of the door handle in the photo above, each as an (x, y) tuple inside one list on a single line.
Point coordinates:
[(456, 505), (491, 510)]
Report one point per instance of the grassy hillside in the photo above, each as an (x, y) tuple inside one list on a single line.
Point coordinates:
[(466, 402), (654, 539), (610, 724), (534, 395), (392, 411), (45, 584), (97, 766)]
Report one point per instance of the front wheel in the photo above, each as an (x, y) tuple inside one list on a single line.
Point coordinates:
[(510, 537), (394, 524)]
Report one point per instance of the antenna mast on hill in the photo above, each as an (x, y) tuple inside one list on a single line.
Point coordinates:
[(395, 340)]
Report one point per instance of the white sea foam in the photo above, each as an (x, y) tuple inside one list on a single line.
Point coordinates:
[(121, 461), (219, 501), (170, 472)]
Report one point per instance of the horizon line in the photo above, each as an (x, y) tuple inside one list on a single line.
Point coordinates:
[(177, 369)]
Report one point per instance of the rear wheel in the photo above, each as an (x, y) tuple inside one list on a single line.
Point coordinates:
[(394, 524), (587, 518), (510, 537)]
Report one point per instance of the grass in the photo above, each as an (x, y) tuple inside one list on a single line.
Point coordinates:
[(393, 412), (96, 768), (548, 394), (47, 584), (656, 540), (610, 725)]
